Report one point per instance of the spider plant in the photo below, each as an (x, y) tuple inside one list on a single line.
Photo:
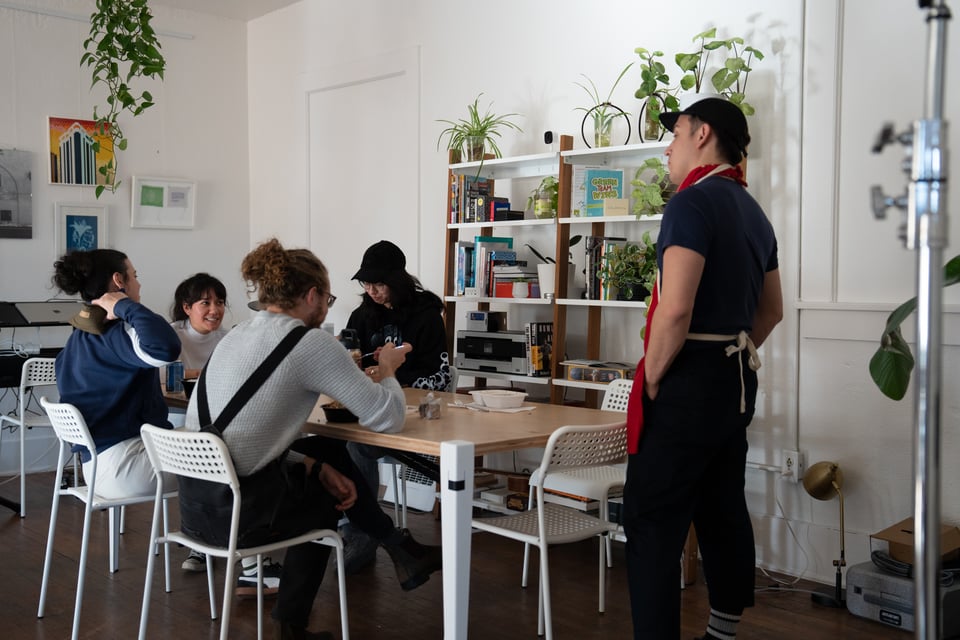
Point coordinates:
[(602, 111), (476, 134)]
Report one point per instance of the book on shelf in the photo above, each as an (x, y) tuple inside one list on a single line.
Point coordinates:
[(538, 337), (595, 247), (484, 246), (600, 185), (578, 194), (464, 275), (495, 204), (468, 195)]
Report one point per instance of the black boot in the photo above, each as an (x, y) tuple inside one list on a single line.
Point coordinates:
[(286, 631), (414, 562)]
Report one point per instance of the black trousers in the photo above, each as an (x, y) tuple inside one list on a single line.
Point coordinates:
[(304, 564), (690, 468)]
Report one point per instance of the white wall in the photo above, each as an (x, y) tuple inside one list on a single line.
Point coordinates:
[(197, 130), (809, 166)]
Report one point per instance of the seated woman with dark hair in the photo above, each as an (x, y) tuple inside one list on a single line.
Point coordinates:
[(198, 307), (108, 367)]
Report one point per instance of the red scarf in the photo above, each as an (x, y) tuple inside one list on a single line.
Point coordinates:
[(635, 403)]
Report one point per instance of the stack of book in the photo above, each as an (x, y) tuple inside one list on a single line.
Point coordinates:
[(468, 198), (539, 347)]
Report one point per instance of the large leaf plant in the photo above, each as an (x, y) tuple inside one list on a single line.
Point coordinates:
[(892, 365), (122, 47)]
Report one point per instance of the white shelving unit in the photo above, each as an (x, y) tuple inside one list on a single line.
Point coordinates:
[(539, 165)]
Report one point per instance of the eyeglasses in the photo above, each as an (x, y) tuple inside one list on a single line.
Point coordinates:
[(380, 286), (331, 299)]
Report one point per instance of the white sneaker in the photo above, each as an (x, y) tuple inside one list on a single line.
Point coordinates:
[(196, 561)]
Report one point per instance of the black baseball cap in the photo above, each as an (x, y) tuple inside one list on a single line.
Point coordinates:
[(379, 260), (725, 117)]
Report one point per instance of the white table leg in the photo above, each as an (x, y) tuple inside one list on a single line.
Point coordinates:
[(456, 509)]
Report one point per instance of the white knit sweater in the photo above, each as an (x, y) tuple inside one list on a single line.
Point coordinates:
[(273, 418)]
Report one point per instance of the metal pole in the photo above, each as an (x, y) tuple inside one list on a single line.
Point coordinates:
[(927, 201)]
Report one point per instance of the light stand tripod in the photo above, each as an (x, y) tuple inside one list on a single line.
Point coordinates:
[(925, 230)]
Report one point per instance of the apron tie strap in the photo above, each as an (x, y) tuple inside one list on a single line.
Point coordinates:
[(743, 343)]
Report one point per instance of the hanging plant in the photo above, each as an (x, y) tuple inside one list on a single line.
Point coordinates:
[(122, 47)]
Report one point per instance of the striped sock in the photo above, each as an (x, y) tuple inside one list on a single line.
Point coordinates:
[(722, 626)]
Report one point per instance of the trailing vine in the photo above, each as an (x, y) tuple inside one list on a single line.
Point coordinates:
[(122, 47)]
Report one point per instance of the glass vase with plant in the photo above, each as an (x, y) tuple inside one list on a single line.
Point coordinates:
[(476, 134), (602, 112), (543, 200), (731, 79), (655, 91)]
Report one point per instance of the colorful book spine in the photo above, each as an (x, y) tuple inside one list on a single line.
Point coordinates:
[(600, 185)]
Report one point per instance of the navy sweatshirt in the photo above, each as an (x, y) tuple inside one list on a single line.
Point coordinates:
[(113, 377)]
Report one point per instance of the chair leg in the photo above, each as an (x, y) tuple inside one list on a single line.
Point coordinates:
[(123, 518), (166, 547), (48, 556), (526, 552), (229, 581), (403, 495), (213, 601), (259, 595), (342, 586), (81, 574), (148, 579), (396, 493), (603, 567), (605, 516), (114, 538), (545, 627), (23, 474)]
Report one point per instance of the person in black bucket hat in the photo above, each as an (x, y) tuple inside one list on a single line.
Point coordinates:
[(395, 308), (380, 260), (718, 296)]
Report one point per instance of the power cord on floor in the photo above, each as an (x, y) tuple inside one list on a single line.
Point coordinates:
[(806, 559)]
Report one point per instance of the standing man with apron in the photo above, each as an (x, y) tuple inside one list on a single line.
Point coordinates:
[(718, 296)]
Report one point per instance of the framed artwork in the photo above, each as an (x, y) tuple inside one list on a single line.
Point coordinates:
[(77, 151), (80, 227), (16, 193), (163, 203)]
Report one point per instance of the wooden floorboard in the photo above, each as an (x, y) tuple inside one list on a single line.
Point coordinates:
[(378, 607)]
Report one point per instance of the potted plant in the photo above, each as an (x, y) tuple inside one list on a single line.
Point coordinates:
[(543, 200), (892, 364), (651, 187), (631, 268), (476, 135), (656, 93), (731, 79), (602, 111), (546, 271), (121, 47)]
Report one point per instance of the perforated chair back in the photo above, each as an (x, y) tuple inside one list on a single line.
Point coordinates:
[(205, 456), (68, 424), (584, 446), (617, 395), (36, 372)]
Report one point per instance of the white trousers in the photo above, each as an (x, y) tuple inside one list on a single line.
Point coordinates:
[(124, 470)]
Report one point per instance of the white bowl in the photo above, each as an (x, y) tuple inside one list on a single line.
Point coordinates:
[(499, 398)]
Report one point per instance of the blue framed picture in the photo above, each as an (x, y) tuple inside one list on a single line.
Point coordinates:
[(80, 227)]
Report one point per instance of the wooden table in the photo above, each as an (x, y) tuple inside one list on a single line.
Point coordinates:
[(457, 437)]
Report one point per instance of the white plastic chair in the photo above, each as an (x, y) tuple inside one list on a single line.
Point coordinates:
[(36, 372), (568, 448), (594, 483), (205, 456), (71, 428)]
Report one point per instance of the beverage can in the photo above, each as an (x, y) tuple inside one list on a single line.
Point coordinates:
[(175, 377)]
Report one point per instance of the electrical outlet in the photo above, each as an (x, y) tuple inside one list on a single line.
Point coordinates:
[(791, 464)]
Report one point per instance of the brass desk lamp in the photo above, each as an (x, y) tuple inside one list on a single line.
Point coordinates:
[(822, 481)]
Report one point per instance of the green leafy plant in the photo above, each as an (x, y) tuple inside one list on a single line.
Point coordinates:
[(602, 111), (547, 191), (631, 267), (651, 187), (121, 47), (655, 91), (475, 134), (892, 364), (731, 79)]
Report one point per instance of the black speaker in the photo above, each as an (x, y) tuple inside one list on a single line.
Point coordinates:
[(548, 137)]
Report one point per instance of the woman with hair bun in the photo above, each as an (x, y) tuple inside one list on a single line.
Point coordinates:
[(108, 367)]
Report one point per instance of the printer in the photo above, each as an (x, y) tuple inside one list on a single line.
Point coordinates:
[(493, 351)]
